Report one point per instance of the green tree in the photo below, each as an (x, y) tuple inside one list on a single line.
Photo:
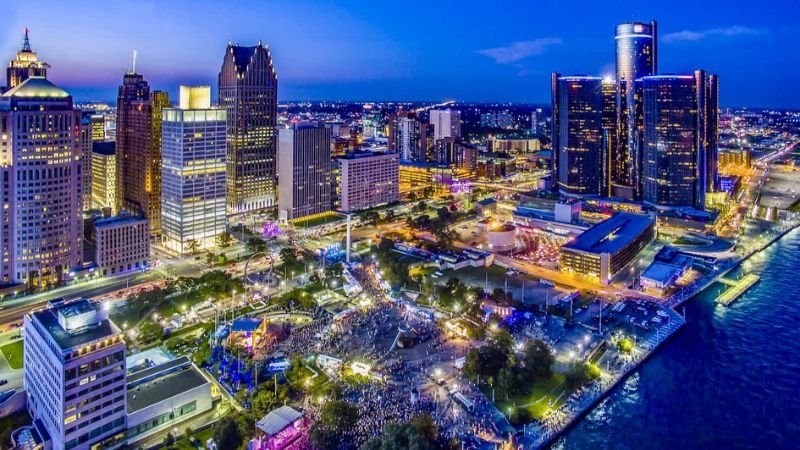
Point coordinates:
[(210, 256), (255, 245), (289, 255), (224, 239), (192, 246), (338, 415), (226, 434), (538, 360), (149, 331), (325, 439)]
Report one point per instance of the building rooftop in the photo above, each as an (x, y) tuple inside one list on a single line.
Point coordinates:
[(365, 154), (612, 234), (116, 220), (278, 419), (662, 273), (36, 87), (75, 323), (156, 384)]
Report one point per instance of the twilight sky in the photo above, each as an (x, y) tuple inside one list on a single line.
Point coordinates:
[(469, 50)]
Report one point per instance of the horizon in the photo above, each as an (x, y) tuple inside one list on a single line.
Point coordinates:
[(350, 52)]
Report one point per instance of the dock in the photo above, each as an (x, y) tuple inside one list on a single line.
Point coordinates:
[(737, 288)]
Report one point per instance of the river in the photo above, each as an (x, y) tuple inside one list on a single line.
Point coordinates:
[(729, 380)]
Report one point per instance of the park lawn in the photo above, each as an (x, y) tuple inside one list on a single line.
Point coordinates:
[(536, 402), (201, 436), (13, 354)]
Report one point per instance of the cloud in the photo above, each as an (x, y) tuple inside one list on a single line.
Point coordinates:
[(520, 50), (692, 35)]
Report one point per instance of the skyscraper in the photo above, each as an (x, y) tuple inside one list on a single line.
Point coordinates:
[(193, 172), (578, 134), (446, 123), (25, 65), (104, 176), (85, 144), (304, 171), (41, 225), (248, 92), (610, 138), (410, 137), (636, 57), (138, 138), (679, 138)]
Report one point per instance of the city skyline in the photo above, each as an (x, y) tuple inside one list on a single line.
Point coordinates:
[(348, 51)]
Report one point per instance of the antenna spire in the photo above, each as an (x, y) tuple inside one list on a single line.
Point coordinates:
[(134, 61), (26, 43)]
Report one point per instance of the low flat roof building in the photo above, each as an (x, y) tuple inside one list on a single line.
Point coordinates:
[(122, 244), (160, 396), (605, 249), (368, 179)]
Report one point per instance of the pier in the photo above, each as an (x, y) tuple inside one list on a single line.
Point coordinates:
[(737, 288)]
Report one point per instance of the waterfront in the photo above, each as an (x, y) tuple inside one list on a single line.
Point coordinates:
[(728, 380)]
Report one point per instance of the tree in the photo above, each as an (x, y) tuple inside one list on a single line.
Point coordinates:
[(288, 255), (255, 245), (149, 331), (192, 246), (169, 440), (325, 439), (227, 434), (224, 239), (210, 256), (412, 197), (402, 436), (428, 191), (538, 360), (426, 426), (187, 433), (579, 374)]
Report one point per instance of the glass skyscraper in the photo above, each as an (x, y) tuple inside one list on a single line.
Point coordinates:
[(679, 128), (578, 135), (636, 57), (193, 172)]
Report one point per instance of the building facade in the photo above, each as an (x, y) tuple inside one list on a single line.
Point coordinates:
[(138, 138), (42, 192), (193, 172), (411, 138), (368, 180), (636, 57), (74, 375), (304, 169), (248, 92), (85, 144), (122, 244), (679, 139), (578, 134), (104, 176), (446, 123)]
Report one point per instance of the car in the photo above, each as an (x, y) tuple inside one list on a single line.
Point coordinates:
[(3, 381)]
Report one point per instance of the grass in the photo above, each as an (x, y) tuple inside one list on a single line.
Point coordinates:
[(13, 354), (201, 436), (538, 400)]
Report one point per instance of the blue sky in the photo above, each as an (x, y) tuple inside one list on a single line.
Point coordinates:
[(403, 50)]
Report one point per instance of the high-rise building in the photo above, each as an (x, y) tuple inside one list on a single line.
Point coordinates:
[(368, 180), (98, 123), (193, 172), (578, 134), (610, 139), (41, 224), (446, 123), (25, 65), (248, 92), (104, 177), (75, 375), (679, 138), (410, 137), (534, 122), (138, 137), (636, 57), (85, 144), (304, 171), (122, 244)]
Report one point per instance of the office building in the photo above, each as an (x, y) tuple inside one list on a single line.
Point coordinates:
[(516, 146), (122, 244), (610, 137), (678, 139), (248, 92), (304, 171), (74, 375), (368, 180), (534, 122), (410, 138), (193, 172), (577, 136), (446, 123), (25, 65), (104, 177), (138, 138), (85, 144), (41, 224), (98, 124), (494, 165), (607, 248), (636, 57)]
